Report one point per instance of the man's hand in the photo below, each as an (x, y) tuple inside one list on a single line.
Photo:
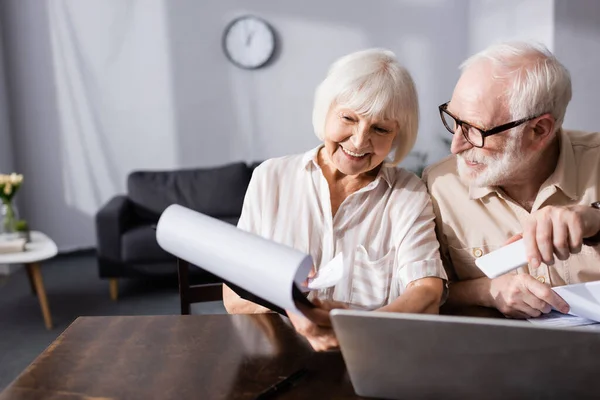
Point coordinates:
[(523, 296), (315, 324), (558, 231)]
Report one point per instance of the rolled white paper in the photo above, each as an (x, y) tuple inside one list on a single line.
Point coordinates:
[(258, 265)]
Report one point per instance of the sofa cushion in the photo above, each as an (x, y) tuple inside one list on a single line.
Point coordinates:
[(218, 192), (139, 245)]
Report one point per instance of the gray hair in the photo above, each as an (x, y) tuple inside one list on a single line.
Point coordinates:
[(539, 82), (372, 83)]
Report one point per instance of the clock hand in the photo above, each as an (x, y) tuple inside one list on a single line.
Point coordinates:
[(249, 38)]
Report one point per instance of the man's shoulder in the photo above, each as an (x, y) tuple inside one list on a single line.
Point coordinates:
[(442, 174), (584, 140), (403, 179)]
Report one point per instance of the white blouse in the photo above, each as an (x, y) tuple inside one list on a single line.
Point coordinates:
[(386, 230)]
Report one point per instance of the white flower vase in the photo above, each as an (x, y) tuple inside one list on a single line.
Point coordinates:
[(9, 216)]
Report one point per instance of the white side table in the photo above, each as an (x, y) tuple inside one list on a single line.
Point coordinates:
[(39, 249)]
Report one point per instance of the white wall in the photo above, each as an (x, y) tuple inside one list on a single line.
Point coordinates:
[(108, 86), (90, 86), (103, 87), (225, 113), (492, 21), (577, 45), (6, 147)]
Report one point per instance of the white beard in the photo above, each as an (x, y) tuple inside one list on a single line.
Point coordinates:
[(500, 167)]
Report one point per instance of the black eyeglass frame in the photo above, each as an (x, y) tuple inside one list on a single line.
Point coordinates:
[(484, 132)]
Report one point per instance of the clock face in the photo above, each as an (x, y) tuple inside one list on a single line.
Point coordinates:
[(249, 42)]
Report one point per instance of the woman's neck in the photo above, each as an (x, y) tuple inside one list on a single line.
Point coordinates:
[(341, 185)]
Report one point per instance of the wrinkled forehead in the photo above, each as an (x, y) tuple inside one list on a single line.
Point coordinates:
[(480, 96)]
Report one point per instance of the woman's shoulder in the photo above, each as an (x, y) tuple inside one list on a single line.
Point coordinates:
[(409, 195), (278, 166)]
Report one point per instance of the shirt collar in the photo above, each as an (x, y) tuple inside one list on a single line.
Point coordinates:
[(310, 160), (564, 176)]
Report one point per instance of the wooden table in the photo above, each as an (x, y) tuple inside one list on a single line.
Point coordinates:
[(40, 248), (179, 357)]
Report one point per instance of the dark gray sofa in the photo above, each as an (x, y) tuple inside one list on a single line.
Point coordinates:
[(126, 239)]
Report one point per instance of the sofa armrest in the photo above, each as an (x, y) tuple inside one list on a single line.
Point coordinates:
[(112, 220)]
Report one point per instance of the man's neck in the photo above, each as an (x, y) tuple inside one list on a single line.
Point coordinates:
[(524, 188)]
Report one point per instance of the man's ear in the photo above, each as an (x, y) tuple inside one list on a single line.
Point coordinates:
[(542, 129)]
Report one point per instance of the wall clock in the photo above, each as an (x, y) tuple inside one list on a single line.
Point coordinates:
[(249, 42)]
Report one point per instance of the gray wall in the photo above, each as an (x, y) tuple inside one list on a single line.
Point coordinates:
[(577, 45), (222, 112), (103, 87), (6, 147), (491, 21), (35, 125)]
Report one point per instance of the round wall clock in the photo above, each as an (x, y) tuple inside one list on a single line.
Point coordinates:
[(249, 42)]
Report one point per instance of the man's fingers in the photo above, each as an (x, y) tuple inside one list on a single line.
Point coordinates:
[(536, 304), (516, 314), (544, 241), (514, 239), (529, 237), (520, 315), (560, 240), (548, 295), (575, 235)]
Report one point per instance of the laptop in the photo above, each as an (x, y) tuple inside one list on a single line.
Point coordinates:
[(411, 356)]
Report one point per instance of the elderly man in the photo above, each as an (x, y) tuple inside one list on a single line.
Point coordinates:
[(515, 171)]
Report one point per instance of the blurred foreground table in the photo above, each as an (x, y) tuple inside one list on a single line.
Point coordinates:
[(179, 357)]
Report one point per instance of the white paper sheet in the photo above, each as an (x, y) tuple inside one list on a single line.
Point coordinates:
[(583, 298), (260, 266), (329, 275), (560, 320)]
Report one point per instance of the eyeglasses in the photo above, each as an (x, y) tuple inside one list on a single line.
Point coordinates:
[(475, 135)]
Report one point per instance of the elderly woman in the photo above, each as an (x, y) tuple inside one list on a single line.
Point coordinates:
[(348, 196)]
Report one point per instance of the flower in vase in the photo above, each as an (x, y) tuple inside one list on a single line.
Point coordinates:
[(9, 185)]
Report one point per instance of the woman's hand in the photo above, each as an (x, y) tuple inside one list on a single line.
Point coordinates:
[(234, 304), (304, 284), (315, 324)]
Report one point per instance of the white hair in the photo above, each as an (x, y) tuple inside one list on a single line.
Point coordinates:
[(539, 82), (374, 84)]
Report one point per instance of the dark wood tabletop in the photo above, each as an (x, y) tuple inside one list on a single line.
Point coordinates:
[(179, 357)]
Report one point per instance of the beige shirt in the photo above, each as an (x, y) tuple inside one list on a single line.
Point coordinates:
[(474, 221), (386, 230)]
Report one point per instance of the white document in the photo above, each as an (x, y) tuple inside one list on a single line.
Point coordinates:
[(265, 268), (503, 260), (560, 320), (329, 275), (583, 298)]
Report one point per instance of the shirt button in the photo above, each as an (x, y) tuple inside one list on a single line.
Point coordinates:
[(541, 279), (477, 252)]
